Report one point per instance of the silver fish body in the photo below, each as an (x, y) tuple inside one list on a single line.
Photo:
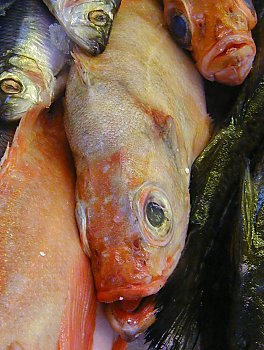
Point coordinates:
[(29, 61), (87, 22)]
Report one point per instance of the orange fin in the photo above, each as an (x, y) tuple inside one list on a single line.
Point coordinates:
[(79, 317), (120, 344)]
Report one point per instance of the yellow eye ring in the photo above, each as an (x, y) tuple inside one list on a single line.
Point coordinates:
[(98, 17), (10, 86)]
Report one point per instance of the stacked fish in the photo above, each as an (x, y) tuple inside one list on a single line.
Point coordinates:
[(133, 145)]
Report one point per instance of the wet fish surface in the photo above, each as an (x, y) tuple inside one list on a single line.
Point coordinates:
[(215, 182), (218, 33), (134, 129), (29, 60), (246, 330), (87, 22), (47, 299)]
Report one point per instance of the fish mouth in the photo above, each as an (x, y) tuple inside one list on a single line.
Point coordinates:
[(230, 60), (130, 319), (131, 292)]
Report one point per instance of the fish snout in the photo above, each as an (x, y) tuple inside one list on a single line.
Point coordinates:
[(230, 60), (129, 319)]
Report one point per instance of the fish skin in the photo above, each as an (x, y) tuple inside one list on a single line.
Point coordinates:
[(5, 4), (138, 142), (29, 61), (215, 181), (76, 17), (46, 288), (214, 28), (246, 328)]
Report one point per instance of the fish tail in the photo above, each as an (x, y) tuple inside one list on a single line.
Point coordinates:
[(78, 322), (120, 344)]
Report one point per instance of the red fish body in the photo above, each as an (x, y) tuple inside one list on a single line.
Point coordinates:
[(218, 33), (47, 299), (135, 119)]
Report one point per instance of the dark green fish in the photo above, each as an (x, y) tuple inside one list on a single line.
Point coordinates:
[(87, 22), (29, 60), (246, 325), (215, 181)]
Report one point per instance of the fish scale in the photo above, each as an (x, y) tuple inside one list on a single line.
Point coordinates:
[(25, 31), (29, 59)]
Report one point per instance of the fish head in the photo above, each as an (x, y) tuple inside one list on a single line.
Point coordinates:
[(218, 34), (90, 23), (21, 87), (132, 211)]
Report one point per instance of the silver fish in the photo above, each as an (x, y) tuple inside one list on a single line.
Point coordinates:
[(29, 61), (87, 22)]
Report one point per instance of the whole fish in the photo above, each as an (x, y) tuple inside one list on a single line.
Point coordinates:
[(216, 175), (217, 33), (134, 129), (246, 320), (87, 22), (47, 299), (29, 60)]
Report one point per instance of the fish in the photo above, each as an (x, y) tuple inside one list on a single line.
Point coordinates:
[(218, 34), (134, 130), (47, 297), (32, 68), (245, 327), (87, 22), (215, 180)]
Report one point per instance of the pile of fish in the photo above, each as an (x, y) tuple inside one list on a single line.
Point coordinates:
[(135, 117)]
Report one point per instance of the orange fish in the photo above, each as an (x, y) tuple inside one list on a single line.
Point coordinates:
[(47, 298), (136, 120), (218, 33)]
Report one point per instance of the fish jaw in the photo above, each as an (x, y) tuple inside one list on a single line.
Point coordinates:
[(131, 323), (230, 60), (89, 23), (127, 263)]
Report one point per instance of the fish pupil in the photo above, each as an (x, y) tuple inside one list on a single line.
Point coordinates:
[(178, 27), (155, 214), (98, 17)]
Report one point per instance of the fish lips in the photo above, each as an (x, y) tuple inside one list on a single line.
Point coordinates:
[(230, 60)]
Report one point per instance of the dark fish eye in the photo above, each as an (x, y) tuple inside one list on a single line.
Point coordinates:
[(179, 28), (98, 17), (155, 214), (10, 86)]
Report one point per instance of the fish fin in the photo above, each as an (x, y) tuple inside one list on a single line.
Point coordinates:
[(22, 137), (120, 344), (78, 322), (83, 66), (176, 327)]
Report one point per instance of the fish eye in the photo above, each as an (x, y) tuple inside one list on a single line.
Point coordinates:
[(180, 29), (98, 17), (154, 214), (10, 86)]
